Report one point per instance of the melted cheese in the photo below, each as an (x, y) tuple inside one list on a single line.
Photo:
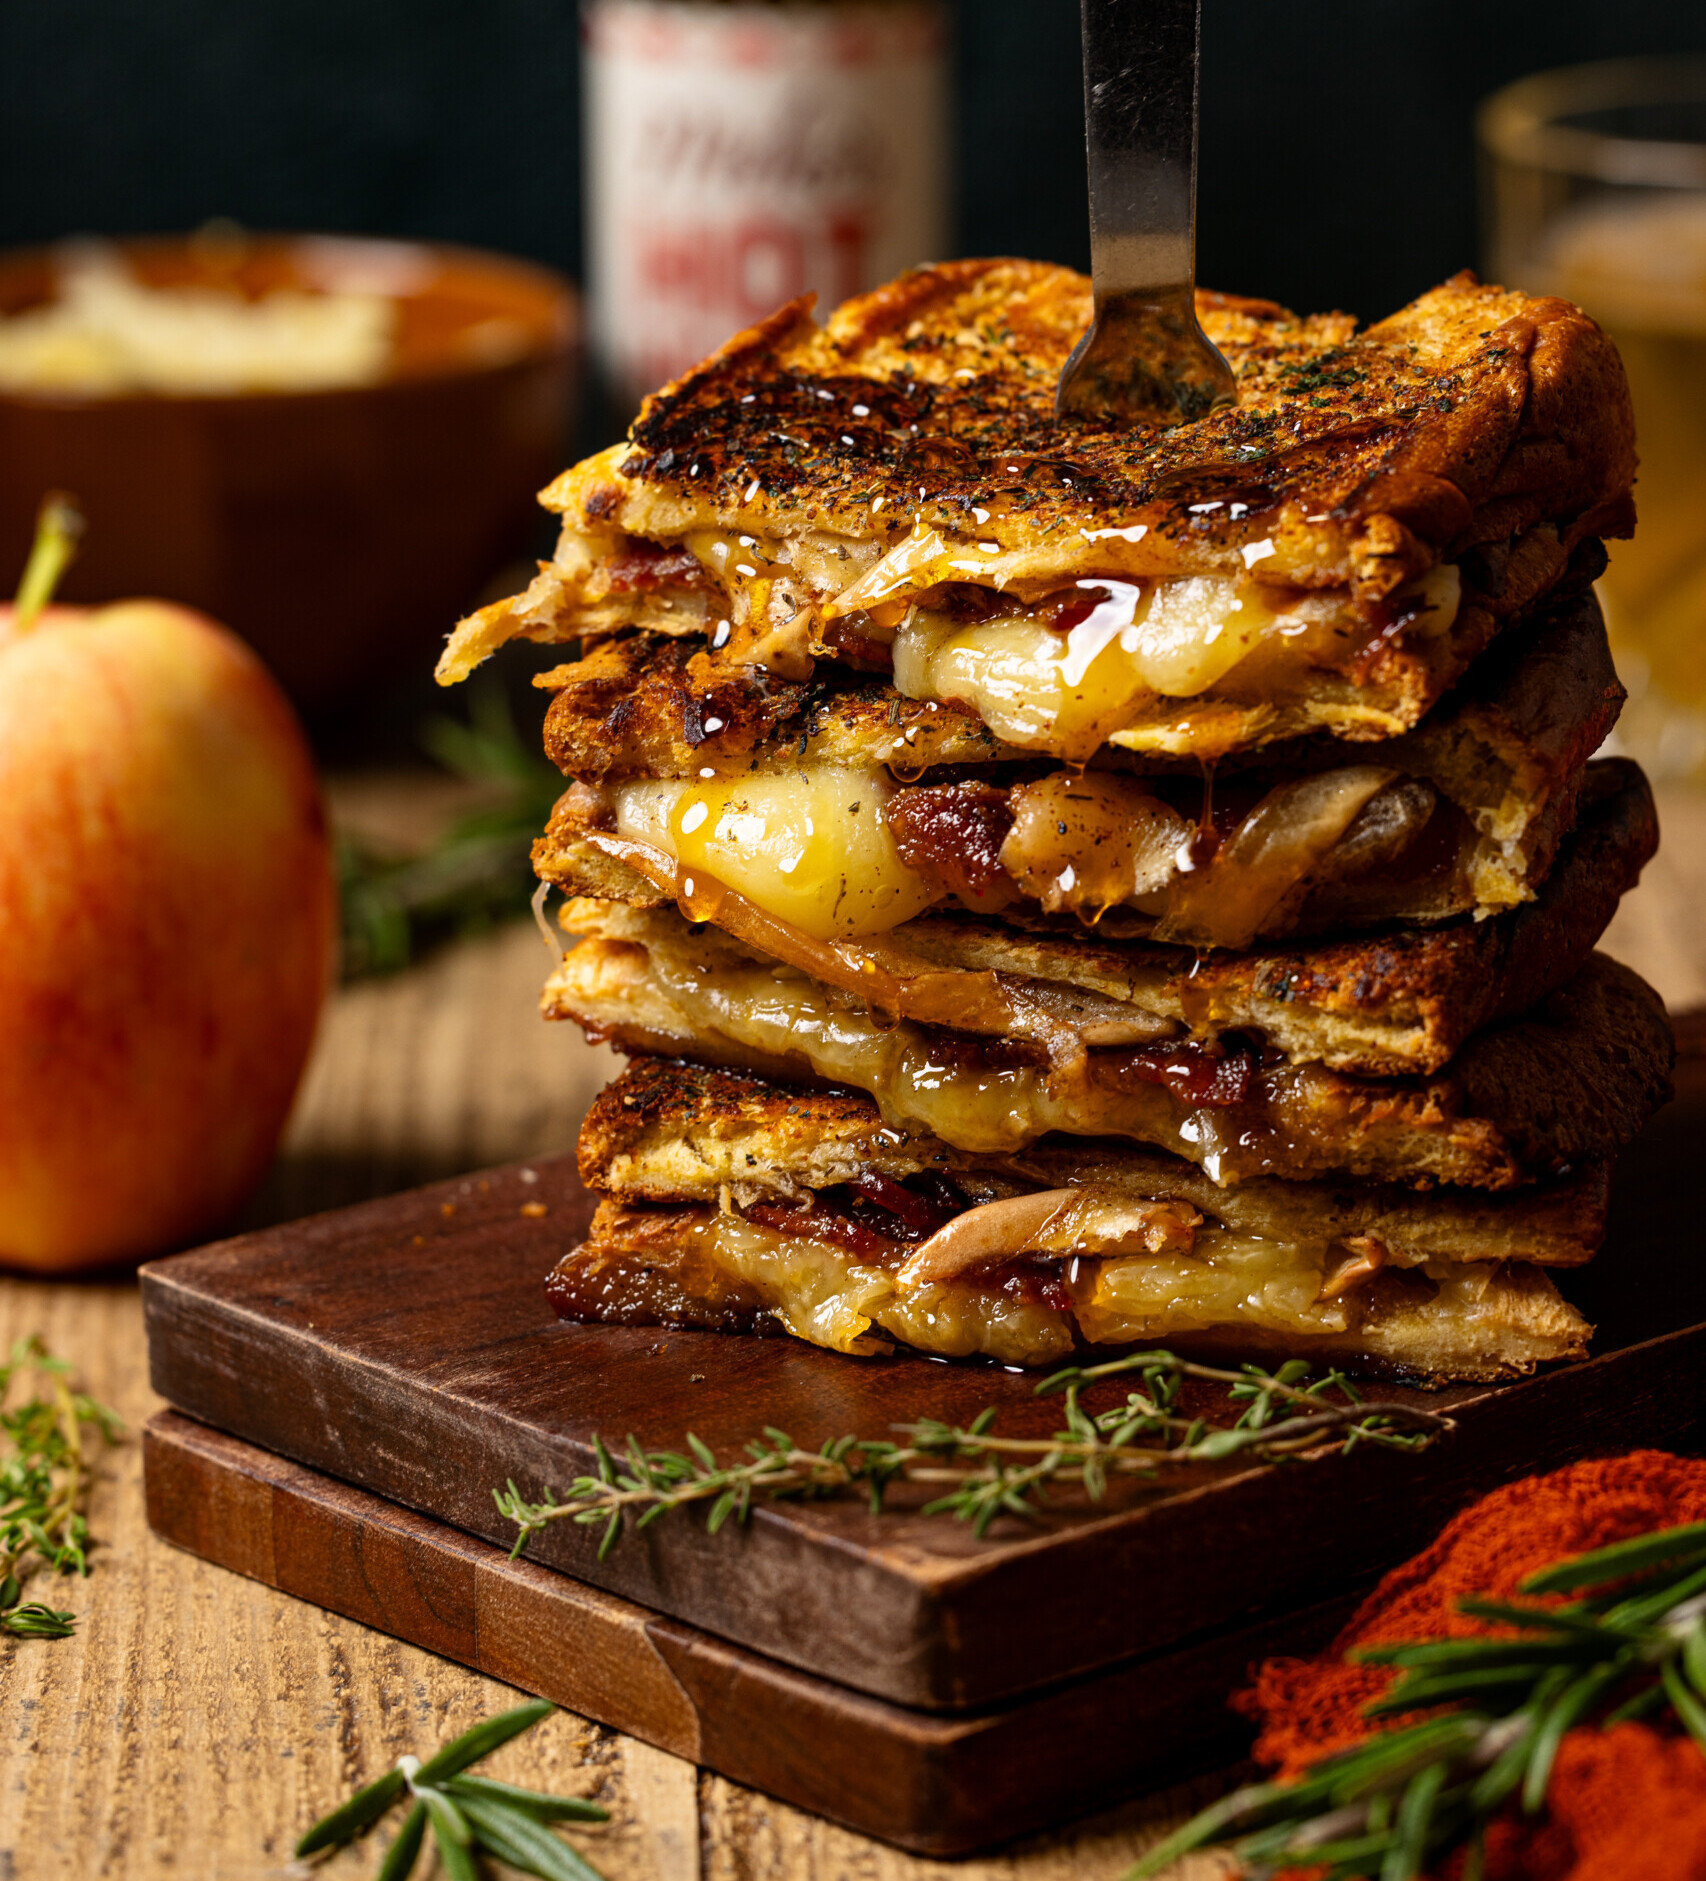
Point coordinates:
[(824, 1295), (809, 846), (915, 1084), (1485, 1321), (827, 1296), (1068, 693), (1227, 1280)]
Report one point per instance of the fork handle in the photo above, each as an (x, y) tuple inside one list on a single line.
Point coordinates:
[(1140, 115)]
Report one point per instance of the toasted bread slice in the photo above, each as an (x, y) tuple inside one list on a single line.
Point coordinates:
[(1569, 1082), (1464, 814), (1390, 1004), (1243, 1299), (742, 1206), (901, 472), (667, 1131)]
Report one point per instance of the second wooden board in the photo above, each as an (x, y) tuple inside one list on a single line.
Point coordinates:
[(943, 1784)]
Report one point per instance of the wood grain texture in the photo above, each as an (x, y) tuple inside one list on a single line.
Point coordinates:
[(201, 1720), (943, 1783)]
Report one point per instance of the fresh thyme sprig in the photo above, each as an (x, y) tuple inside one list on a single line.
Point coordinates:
[(44, 1481), (468, 1815), (981, 1475), (1396, 1806)]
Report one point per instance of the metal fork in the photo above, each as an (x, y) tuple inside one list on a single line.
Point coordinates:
[(1145, 360)]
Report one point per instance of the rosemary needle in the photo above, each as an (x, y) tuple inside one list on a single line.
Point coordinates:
[(1400, 1804), (469, 1816), (400, 1856)]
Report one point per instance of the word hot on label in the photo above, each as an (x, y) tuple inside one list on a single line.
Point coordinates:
[(739, 155)]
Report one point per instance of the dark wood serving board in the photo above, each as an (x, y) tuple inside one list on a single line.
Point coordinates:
[(942, 1784), (404, 1346)]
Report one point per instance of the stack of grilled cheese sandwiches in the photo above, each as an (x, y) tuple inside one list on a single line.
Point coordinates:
[(1060, 887)]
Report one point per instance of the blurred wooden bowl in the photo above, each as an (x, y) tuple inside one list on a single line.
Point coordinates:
[(342, 531)]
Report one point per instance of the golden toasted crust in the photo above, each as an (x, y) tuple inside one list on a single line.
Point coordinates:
[(648, 706), (1351, 460), (1385, 1004), (1472, 399), (667, 1132), (1408, 1000), (705, 1127)]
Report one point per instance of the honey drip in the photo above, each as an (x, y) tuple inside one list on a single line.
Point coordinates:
[(699, 896)]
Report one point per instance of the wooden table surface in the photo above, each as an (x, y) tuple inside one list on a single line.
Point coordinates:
[(198, 1722)]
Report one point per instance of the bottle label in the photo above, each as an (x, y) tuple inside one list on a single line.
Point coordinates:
[(740, 155)]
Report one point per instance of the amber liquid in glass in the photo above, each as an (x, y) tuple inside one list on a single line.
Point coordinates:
[(1638, 264)]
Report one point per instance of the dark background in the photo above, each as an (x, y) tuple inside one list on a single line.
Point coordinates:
[(1337, 165)]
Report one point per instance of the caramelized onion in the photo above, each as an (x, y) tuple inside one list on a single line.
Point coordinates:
[(1058, 1222), (1194, 1074), (1090, 843), (1364, 1257), (994, 1232), (1276, 846)]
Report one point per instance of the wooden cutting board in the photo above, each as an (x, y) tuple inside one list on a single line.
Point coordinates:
[(404, 1346), (938, 1783)]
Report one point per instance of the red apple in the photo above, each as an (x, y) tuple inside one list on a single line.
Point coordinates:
[(166, 910)]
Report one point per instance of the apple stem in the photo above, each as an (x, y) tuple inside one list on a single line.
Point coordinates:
[(59, 527)]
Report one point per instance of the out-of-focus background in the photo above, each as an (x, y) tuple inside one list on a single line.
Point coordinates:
[(1337, 170)]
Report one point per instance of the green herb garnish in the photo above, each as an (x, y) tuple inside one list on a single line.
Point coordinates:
[(44, 1482), (469, 1816), (980, 1475), (477, 873), (1399, 1804)]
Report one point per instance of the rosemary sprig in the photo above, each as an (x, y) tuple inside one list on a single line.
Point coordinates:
[(477, 872), (44, 1482), (1397, 1805), (468, 1815), (980, 1475)]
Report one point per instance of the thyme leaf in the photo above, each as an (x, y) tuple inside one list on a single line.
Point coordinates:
[(470, 1817), (44, 1484), (1403, 1802), (978, 1474)]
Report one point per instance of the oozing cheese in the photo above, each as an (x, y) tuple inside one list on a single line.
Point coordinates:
[(1068, 693), (1227, 1280), (809, 846), (915, 1086), (1483, 1320), (825, 1296)]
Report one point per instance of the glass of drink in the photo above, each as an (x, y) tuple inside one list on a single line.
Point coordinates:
[(1594, 187)]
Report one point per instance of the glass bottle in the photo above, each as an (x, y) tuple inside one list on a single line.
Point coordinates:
[(742, 152)]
